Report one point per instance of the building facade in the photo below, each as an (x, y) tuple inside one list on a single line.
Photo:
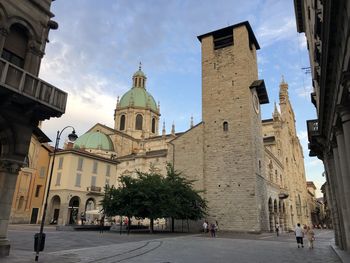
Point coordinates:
[(25, 98), (251, 171), (31, 181), (326, 27)]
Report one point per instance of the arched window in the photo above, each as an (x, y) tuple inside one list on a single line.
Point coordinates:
[(139, 120), (15, 46), (20, 203), (153, 125), (122, 123), (225, 126)]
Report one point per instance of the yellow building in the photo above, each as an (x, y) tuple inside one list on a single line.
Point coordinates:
[(30, 187), (80, 175)]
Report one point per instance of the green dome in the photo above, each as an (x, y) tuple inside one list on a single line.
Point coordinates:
[(138, 97), (139, 73), (94, 140)]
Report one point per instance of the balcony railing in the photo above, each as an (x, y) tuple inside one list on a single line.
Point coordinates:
[(94, 189), (28, 85)]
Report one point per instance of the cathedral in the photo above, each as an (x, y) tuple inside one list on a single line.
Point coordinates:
[(251, 170)]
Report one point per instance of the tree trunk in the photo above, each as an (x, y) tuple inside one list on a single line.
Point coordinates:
[(151, 225), (172, 224)]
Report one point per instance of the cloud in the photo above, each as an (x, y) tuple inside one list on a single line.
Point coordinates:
[(304, 92)]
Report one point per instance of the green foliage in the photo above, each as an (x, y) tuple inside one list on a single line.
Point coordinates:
[(151, 195)]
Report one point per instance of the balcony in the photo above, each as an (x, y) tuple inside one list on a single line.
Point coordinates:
[(313, 136), (21, 87), (94, 190)]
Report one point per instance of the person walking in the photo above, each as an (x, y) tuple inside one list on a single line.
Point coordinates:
[(277, 229), (102, 224), (212, 229), (310, 234), (205, 227), (299, 234)]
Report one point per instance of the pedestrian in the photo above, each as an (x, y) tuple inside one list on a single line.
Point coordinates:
[(212, 229), (310, 234), (299, 234), (205, 227), (102, 224), (277, 229)]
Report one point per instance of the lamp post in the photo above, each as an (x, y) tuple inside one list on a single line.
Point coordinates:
[(39, 240)]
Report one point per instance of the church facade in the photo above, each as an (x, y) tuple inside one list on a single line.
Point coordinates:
[(251, 170)]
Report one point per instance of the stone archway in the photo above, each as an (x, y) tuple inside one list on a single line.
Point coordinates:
[(55, 209), (275, 212), (281, 215), (90, 210), (73, 210)]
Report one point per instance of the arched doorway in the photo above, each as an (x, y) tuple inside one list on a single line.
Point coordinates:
[(73, 210), (270, 215), (55, 209), (90, 210), (275, 211), (281, 215)]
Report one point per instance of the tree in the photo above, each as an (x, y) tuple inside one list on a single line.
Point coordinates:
[(153, 196), (183, 201)]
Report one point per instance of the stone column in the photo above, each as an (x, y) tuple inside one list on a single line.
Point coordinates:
[(333, 196), (8, 176), (345, 119), (343, 182)]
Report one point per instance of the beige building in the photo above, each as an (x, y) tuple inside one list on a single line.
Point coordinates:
[(30, 187), (252, 171), (326, 27)]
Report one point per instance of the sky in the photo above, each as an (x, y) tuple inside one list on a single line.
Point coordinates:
[(99, 44)]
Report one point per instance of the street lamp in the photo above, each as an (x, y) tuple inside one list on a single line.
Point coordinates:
[(39, 239)]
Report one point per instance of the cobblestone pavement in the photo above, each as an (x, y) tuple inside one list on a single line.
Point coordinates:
[(92, 247)]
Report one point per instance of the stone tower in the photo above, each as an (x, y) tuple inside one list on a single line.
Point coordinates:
[(233, 145), (137, 113)]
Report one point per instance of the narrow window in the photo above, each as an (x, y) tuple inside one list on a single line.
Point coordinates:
[(58, 179), (15, 46), (60, 163), (20, 202), (225, 126), (122, 123), (42, 172), (80, 164), (94, 169), (77, 180), (139, 120), (153, 125), (37, 190), (93, 180), (108, 170)]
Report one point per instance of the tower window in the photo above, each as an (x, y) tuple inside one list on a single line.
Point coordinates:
[(153, 125), (139, 120), (223, 38), (122, 123), (225, 126)]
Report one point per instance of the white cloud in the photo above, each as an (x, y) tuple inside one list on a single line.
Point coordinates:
[(304, 92), (272, 31)]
